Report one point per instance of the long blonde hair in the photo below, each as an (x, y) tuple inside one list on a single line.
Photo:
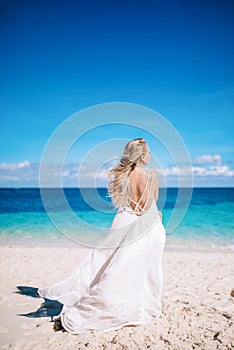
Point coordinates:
[(119, 186)]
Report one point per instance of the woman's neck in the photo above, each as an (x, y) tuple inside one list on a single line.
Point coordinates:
[(140, 167)]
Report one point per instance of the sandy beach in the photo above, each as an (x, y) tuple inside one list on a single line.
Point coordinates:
[(197, 302)]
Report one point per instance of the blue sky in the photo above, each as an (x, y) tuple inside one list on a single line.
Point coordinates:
[(59, 57)]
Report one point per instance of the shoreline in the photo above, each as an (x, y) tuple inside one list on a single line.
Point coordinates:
[(180, 246), (197, 302)]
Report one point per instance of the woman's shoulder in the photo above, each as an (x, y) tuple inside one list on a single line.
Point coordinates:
[(153, 174), (153, 171)]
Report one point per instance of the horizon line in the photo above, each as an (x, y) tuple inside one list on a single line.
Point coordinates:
[(101, 187)]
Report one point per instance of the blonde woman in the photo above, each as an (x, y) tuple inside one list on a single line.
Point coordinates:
[(120, 282)]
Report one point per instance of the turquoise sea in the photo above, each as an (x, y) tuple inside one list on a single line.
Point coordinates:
[(208, 220)]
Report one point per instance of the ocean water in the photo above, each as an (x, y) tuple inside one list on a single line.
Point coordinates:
[(208, 220)]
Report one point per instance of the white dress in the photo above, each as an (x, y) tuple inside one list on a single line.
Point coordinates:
[(120, 281)]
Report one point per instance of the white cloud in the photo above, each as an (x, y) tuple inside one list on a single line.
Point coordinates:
[(206, 167), (199, 171), (211, 165), (215, 159), (219, 170), (72, 170), (14, 166), (10, 178)]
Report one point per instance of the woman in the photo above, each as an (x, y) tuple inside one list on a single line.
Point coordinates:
[(120, 281)]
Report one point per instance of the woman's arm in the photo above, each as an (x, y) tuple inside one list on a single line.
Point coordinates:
[(155, 185)]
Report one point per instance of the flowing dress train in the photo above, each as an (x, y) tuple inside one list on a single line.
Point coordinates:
[(120, 281)]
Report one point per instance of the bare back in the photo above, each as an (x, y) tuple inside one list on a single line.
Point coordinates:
[(143, 189)]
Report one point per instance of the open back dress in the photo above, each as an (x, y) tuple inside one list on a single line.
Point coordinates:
[(120, 281)]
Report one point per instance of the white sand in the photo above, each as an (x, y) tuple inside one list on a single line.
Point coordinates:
[(197, 303)]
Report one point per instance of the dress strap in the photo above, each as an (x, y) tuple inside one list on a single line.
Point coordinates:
[(137, 204), (150, 188)]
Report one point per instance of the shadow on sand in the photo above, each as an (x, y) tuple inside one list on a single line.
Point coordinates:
[(49, 308)]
